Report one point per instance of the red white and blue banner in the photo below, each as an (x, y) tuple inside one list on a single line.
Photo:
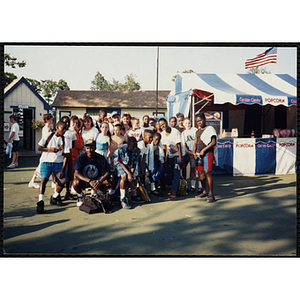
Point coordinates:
[(260, 156), (263, 89)]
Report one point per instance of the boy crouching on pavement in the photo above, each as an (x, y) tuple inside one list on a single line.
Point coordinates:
[(53, 159), (126, 158), (91, 169)]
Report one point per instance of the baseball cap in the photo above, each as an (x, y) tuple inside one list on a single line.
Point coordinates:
[(90, 143), (114, 113)]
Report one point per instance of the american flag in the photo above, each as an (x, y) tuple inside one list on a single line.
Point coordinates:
[(267, 57)]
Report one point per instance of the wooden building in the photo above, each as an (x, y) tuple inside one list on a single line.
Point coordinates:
[(21, 99)]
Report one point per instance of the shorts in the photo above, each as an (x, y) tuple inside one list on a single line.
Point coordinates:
[(48, 167), (15, 146), (205, 163), (120, 172), (189, 159)]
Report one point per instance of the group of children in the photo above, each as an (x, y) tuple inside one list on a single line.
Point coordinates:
[(132, 153)]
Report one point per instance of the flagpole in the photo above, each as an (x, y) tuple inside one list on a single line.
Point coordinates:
[(157, 82)]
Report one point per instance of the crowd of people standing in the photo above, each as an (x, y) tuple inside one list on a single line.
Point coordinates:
[(113, 153)]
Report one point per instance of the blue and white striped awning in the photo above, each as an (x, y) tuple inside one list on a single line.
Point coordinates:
[(274, 89)]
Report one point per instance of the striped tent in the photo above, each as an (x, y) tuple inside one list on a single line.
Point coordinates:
[(263, 89)]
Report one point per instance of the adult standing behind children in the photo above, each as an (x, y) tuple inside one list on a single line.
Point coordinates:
[(14, 138), (54, 159), (172, 146), (205, 152)]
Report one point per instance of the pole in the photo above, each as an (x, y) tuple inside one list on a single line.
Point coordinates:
[(156, 112)]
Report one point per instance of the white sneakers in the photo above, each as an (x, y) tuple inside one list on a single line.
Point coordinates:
[(12, 166), (33, 185)]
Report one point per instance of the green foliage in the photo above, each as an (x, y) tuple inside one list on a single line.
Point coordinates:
[(258, 70), (101, 84), (48, 88), (8, 78), (12, 61), (185, 71)]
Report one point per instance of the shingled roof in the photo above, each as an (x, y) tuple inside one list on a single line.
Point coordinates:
[(116, 99)]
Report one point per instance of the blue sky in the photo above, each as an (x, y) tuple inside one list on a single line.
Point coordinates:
[(78, 64)]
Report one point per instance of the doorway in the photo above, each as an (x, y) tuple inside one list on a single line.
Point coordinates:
[(27, 129)]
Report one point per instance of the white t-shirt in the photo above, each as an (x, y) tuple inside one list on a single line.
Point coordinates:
[(171, 141), (188, 138), (70, 136), (144, 149), (15, 128), (90, 134), (55, 142), (137, 133), (46, 129)]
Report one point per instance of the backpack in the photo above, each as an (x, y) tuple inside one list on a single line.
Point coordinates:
[(182, 188), (99, 203)]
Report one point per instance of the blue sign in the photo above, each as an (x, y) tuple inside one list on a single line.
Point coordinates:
[(249, 99), (265, 153)]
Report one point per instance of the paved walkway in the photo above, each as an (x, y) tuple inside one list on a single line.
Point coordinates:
[(253, 216)]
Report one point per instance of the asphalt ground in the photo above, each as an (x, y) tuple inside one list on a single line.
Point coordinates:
[(253, 216)]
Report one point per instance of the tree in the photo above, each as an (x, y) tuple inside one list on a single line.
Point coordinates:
[(101, 84), (258, 70), (48, 88), (185, 71), (12, 62)]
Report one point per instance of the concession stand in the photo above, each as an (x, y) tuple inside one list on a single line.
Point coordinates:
[(254, 116)]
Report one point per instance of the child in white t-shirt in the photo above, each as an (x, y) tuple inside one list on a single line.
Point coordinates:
[(88, 131), (188, 141), (136, 131), (54, 159)]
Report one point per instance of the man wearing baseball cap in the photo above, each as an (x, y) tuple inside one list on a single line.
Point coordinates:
[(90, 170)]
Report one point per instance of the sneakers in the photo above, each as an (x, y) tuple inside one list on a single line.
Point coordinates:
[(68, 196), (192, 189), (137, 199), (124, 203), (156, 193), (210, 198), (56, 201), (80, 199), (33, 185), (40, 207), (11, 166)]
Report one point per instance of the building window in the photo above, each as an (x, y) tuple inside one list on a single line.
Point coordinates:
[(159, 115), (64, 113)]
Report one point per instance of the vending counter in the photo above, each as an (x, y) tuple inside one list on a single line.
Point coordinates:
[(256, 156)]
